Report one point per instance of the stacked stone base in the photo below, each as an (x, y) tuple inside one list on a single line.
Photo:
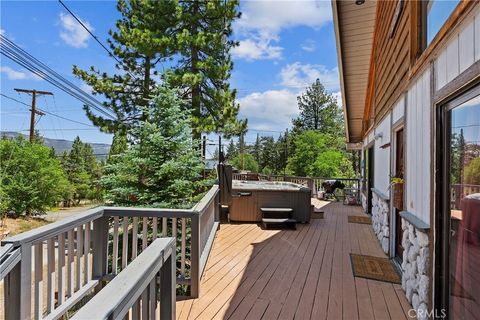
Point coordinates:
[(415, 280), (380, 221)]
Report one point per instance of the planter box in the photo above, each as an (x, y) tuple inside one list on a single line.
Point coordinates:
[(398, 195)]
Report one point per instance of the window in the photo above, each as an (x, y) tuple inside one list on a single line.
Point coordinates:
[(436, 13)]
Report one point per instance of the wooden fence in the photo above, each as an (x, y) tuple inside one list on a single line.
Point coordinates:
[(84, 251)]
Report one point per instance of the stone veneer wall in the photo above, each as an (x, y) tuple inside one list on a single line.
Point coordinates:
[(363, 200), (415, 280), (380, 220)]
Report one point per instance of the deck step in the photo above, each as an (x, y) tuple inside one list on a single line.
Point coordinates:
[(278, 218), (279, 223)]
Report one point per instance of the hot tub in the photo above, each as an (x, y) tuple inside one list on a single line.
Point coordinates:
[(249, 196)]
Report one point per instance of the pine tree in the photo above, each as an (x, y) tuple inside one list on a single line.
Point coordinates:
[(232, 150), (143, 38), (257, 149), (205, 65), (162, 168), (318, 111)]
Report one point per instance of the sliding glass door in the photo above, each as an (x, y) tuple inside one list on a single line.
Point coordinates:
[(461, 220)]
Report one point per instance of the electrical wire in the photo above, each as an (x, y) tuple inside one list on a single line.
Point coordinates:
[(23, 58), (47, 112), (97, 40)]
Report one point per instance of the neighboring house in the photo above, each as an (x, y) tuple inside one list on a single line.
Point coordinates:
[(410, 79)]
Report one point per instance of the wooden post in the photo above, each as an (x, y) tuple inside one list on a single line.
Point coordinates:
[(18, 287), (12, 302), (100, 245), (167, 288), (195, 257), (33, 109)]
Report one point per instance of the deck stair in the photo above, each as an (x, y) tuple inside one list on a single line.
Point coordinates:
[(278, 218)]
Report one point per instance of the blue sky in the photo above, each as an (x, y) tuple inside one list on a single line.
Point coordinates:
[(284, 46)]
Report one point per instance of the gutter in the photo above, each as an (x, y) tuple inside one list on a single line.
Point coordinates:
[(340, 66)]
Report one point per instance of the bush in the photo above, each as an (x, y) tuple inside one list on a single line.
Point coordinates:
[(31, 178)]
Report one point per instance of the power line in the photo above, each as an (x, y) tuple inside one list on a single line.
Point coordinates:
[(96, 39), (47, 112), (23, 58)]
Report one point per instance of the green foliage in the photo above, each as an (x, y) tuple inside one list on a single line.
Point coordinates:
[(83, 172), (142, 40), (187, 34), (319, 111), (31, 179), (232, 150), (318, 154), (162, 167), (471, 174), (249, 162), (204, 65)]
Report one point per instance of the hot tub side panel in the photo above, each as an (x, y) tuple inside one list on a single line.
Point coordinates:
[(247, 208)]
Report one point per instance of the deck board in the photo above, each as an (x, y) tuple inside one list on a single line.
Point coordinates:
[(294, 274)]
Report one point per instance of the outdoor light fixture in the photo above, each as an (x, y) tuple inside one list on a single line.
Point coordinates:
[(378, 136), (359, 2)]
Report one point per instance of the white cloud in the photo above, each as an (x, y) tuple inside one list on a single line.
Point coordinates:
[(338, 96), (85, 87), (276, 15), (262, 21), (309, 45), (73, 33), (18, 75), (298, 75), (258, 47), (2, 31), (269, 110)]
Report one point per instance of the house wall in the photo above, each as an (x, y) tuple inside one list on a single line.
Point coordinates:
[(392, 56), (418, 157), (411, 97), (398, 109), (382, 155), (459, 52)]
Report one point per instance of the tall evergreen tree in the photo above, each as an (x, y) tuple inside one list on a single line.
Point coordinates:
[(257, 149), (205, 64), (162, 167), (143, 38), (232, 150), (319, 111)]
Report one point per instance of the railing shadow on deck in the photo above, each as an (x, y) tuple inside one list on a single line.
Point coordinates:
[(77, 256), (267, 276)]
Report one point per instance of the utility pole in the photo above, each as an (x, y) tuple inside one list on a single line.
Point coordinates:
[(33, 110)]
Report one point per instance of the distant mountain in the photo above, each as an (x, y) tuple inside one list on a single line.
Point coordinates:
[(100, 149)]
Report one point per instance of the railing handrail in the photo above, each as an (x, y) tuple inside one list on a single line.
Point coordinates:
[(206, 200), (147, 212), (118, 296), (53, 229)]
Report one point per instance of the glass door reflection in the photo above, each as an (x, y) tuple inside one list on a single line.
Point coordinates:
[(464, 219)]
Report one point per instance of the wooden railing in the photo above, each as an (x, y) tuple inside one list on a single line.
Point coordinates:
[(135, 289), (460, 191), (82, 252), (314, 183)]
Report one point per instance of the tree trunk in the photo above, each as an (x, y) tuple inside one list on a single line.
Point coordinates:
[(196, 102)]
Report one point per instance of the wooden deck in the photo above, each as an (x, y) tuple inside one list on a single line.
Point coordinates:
[(304, 274)]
